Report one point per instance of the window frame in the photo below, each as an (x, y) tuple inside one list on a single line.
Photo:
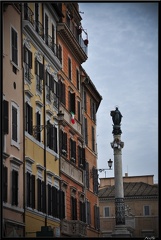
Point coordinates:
[(13, 142), (12, 60)]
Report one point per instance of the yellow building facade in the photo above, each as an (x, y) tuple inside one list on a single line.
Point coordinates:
[(41, 65)]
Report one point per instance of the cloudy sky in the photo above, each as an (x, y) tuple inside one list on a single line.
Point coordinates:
[(123, 65)]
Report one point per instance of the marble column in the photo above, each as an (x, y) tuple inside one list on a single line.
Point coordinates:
[(117, 145)]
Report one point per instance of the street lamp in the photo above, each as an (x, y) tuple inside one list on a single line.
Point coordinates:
[(38, 128), (109, 162), (109, 165)]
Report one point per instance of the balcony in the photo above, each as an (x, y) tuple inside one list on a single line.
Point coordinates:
[(35, 30), (76, 45), (74, 228)]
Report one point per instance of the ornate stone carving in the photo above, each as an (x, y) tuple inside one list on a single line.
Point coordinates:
[(120, 211)]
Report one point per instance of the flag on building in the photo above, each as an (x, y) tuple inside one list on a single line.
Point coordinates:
[(72, 118)]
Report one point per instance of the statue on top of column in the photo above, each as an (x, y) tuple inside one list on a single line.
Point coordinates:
[(116, 118)]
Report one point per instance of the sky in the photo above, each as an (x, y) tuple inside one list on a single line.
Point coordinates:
[(123, 65)]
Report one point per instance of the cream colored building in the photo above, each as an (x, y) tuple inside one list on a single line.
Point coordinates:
[(13, 148), (141, 205)]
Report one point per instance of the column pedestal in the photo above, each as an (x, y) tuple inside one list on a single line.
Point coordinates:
[(121, 231)]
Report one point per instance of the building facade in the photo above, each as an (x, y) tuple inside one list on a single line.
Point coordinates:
[(47, 161), (141, 206), (12, 129), (41, 64)]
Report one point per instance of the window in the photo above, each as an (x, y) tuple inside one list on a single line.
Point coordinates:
[(15, 124), (56, 202), (37, 17), (69, 69), (146, 210), (5, 117), (88, 206), (73, 208), (95, 180), (85, 101), (62, 92), (81, 157), (51, 89), (82, 211), (78, 79), (28, 118), (52, 136), (14, 187), (87, 175), (46, 29), (79, 111), (106, 212), (14, 43), (93, 139), (96, 217), (63, 142), (72, 102), (28, 64), (38, 123), (53, 39), (41, 201), (5, 182), (72, 150), (39, 71), (93, 110), (86, 131), (30, 190), (60, 53)]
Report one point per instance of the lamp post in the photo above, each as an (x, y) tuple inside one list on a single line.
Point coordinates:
[(109, 162), (117, 145)]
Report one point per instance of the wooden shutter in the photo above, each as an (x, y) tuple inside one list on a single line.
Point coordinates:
[(55, 140), (41, 71), (62, 204), (43, 197), (5, 182), (33, 191), (30, 59), (28, 188), (38, 194), (14, 47), (5, 117), (87, 174), (49, 199), (14, 187), (14, 123)]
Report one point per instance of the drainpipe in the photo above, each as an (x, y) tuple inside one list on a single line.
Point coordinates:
[(44, 116), (23, 130)]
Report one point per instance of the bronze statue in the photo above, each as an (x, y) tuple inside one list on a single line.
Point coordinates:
[(116, 118)]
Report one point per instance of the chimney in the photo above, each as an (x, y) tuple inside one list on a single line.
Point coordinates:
[(126, 174)]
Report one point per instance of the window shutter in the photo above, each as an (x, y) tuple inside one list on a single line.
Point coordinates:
[(30, 59), (41, 71), (43, 197), (5, 117), (30, 119), (87, 174), (14, 187), (5, 182), (72, 102), (33, 190), (28, 189), (38, 120), (38, 194), (62, 204), (49, 199), (14, 47), (55, 140), (14, 123), (83, 158), (79, 115), (36, 63)]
